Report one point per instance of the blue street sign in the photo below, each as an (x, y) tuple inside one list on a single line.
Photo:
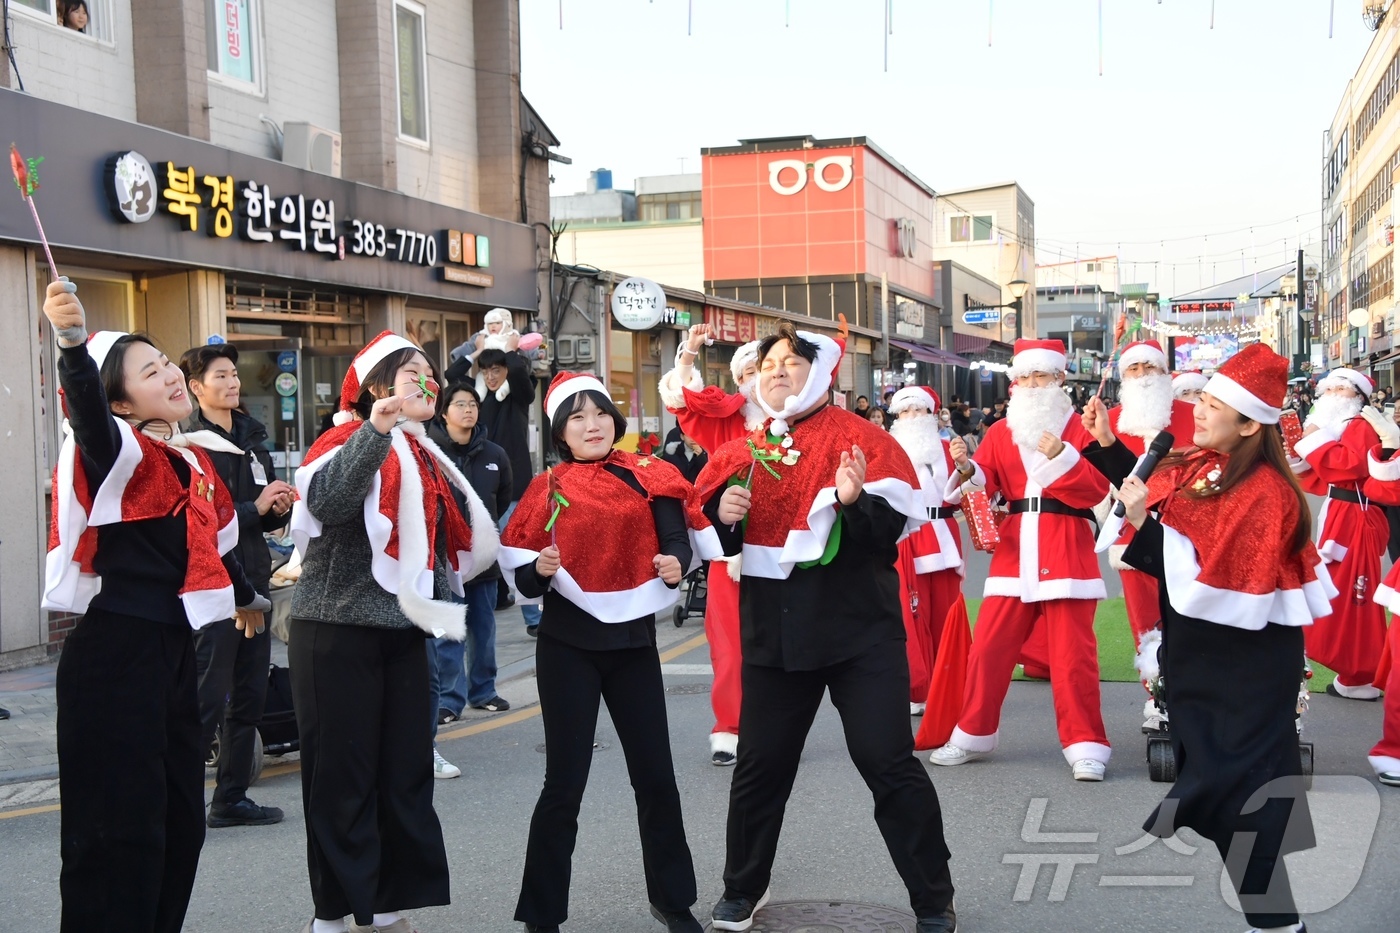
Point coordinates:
[(987, 316)]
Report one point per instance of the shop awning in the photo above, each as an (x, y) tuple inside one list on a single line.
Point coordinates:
[(927, 354)]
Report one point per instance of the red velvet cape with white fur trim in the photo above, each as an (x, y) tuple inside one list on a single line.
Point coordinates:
[(606, 534), (403, 538), (791, 516), (1227, 557), (141, 485)]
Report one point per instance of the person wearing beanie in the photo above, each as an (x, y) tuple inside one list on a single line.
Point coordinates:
[(1338, 434), (601, 539), (1188, 385), (1044, 572), (930, 560), (384, 547), (713, 418), (1225, 529), (142, 546), (816, 502)]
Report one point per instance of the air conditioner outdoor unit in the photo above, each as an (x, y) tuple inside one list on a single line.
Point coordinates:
[(311, 147)]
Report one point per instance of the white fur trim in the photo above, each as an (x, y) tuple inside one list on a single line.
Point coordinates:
[(743, 356), (733, 566), (414, 583), (1384, 763), (1142, 353), (953, 489), (1045, 472), (1314, 442), (724, 742), (1188, 382), (974, 743), (817, 385), (612, 607), (1250, 611), (1040, 591), (1094, 751), (486, 541), (205, 606), (228, 537), (943, 560), (1146, 661), (707, 543), (1387, 471), (568, 389), (342, 417), (1036, 361), (1242, 400), (101, 343), (1350, 378), (670, 386), (374, 353), (911, 397)]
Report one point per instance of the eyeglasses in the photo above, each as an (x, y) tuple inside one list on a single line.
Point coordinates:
[(462, 405)]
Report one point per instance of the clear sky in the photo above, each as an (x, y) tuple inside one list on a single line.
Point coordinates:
[(1190, 132)]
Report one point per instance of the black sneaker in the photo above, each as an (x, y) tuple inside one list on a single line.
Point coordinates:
[(4, 713), (533, 631), (677, 921), (494, 705), (736, 913), (541, 928), (445, 716), (946, 922), (243, 813), (1389, 778), (722, 759)]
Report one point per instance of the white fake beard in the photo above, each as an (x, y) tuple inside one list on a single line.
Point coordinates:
[(753, 415), (1147, 404), (919, 438), (1332, 412), (1033, 412)]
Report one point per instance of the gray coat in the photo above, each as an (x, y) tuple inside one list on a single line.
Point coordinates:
[(337, 584)]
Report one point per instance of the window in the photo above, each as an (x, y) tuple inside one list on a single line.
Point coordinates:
[(99, 15), (1092, 266), (678, 205), (413, 75), (234, 43), (971, 228)]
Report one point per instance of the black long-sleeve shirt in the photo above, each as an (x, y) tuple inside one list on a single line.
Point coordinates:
[(823, 615), (142, 563), (567, 622)]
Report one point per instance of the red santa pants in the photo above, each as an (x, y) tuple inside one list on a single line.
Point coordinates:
[(923, 619), (1386, 755), (1140, 595), (1349, 641), (722, 632), (1003, 625)]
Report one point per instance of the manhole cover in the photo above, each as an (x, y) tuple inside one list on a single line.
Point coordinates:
[(687, 689), (597, 747), (830, 917)]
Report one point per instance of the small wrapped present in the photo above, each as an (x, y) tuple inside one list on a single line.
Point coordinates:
[(981, 523), (1292, 431)]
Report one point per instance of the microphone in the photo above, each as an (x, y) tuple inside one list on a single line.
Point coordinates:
[(1161, 446)]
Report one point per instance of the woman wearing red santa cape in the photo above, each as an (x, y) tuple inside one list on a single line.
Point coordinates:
[(1336, 439), (1229, 542), (141, 545), (713, 418), (930, 560), (817, 503), (602, 539), (384, 547)]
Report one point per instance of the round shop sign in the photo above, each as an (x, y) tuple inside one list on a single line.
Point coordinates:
[(638, 304), (131, 186), (286, 385)]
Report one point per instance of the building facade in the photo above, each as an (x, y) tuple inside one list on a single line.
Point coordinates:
[(292, 178), (1079, 302), (990, 229)]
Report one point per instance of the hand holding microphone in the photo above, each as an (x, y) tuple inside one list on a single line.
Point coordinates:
[(1161, 446)]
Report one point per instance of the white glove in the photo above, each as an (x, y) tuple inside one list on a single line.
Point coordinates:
[(1385, 427)]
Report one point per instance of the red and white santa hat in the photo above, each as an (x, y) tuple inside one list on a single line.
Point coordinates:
[(1037, 356), (1143, 351), (101, 343), (1347, 377), (1190, 380), (565, 386), (371, 356), (1253, 382), (819, 380), (746, 354), (915, 397)]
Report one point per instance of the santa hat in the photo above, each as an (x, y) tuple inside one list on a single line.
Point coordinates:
[(565, 386), (746, 354), (499, 316), (1253, 382), (1037, 356), (1143, 351), (914, 397), (1191, 380), (374, 353), (1347, 377), (823, 373), (101, 343)]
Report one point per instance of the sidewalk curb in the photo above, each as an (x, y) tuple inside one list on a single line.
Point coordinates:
[(29, 774)]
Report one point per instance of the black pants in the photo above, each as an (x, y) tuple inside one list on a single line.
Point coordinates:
[(131, 775), (232, 671), (373, 841), (871, 692), (571, 682), (1261, 882)]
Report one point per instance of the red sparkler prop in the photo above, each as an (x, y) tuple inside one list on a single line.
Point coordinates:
[(26, 173)]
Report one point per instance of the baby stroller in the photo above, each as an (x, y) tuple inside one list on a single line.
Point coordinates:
[(277, 730), (693, 603)]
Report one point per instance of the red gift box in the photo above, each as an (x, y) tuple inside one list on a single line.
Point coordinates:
[(1292, 431), (981, 523)]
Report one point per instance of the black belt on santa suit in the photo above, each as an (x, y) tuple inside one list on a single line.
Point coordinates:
[(1347, 495), (942, 511), (1049, 504)]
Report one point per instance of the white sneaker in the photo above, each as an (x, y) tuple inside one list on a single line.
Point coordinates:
[(444, 769), (1087, 769), (1152, 717), (916, 709), (951, 754)]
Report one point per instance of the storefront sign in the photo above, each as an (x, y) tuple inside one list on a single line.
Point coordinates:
[(731, 326), (638, 304), (675, 316), (286, 385), (1203, 307), (287, 361), (796, 178)]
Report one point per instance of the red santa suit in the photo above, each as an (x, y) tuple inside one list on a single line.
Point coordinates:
[(1043, 568), (1383, 486), (930, 564), (714, 418), (1352, 539)]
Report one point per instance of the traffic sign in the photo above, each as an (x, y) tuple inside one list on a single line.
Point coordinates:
[(985, 316)]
